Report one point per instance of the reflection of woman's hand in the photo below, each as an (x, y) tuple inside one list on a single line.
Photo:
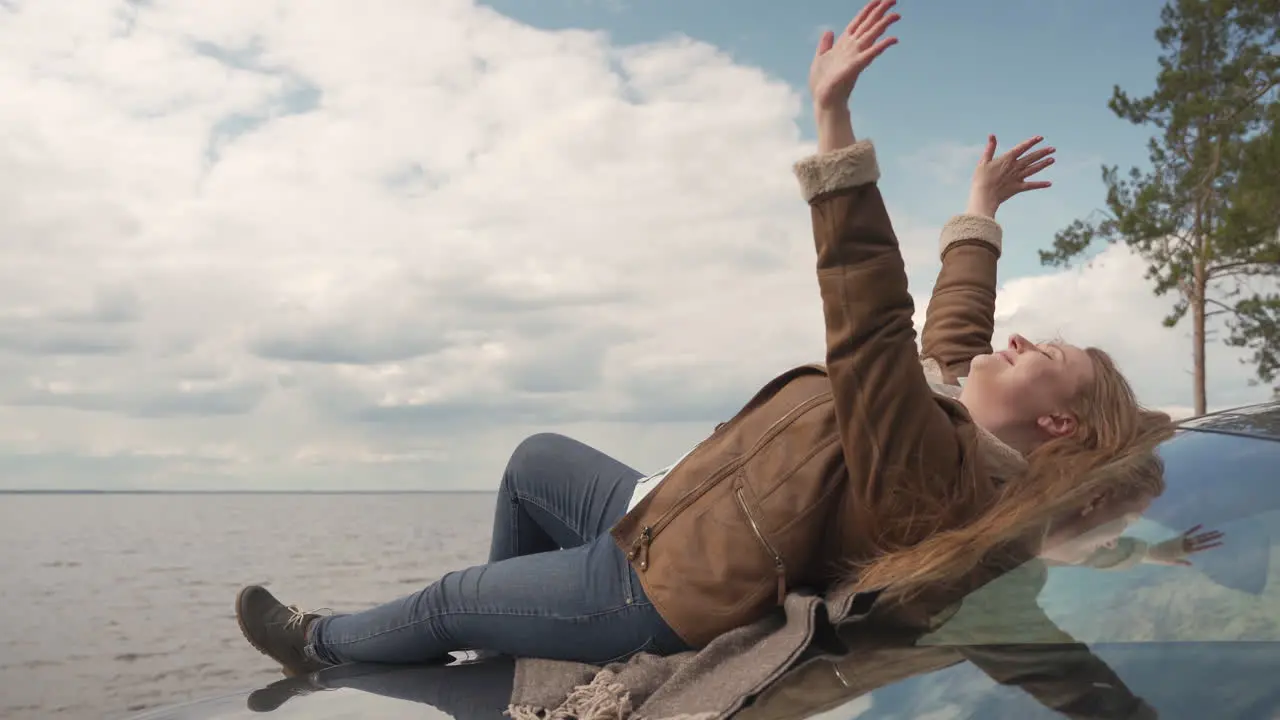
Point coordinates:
[(1176, 550)]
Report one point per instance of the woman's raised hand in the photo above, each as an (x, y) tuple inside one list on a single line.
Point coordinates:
[(840, 60), (997, 179)]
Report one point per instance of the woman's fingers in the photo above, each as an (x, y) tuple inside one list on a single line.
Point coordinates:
[(870, 13), (1034, 168), (1037, 155), (825, 43), (878, 29), (1022, 147), (858, 19), (866, 56), (989, 153), (1203, 541), (1193, 542), (1038, 185)]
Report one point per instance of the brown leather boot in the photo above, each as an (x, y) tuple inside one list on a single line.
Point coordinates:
[(276, 630)]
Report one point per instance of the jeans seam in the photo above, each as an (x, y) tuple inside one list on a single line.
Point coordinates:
[(629, 583), (515, 525), (649, 644), (552, 513), (397, 628)]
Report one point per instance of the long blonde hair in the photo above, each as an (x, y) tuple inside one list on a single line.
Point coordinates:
[(1108, 455)]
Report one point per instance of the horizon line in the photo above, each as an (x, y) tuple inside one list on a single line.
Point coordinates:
[(124, 491)]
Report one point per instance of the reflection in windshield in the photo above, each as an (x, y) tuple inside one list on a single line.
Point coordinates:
[(1196, 565), (1125, 552), (1228, 593), (867, 684), (1078, 537), (1179, 682), (464, 691)]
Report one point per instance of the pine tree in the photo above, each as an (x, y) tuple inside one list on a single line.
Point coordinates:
[(1254, 215), (1203, 215)]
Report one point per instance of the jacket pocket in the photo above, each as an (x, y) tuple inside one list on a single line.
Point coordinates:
[(779, 565), (639, 551)]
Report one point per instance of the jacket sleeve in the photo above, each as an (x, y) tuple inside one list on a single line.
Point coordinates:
[(1042, 659), (961, 315), (1067, 678), (1128, 552), (889, 419)]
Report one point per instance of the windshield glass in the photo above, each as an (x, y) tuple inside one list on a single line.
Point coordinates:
[(1142, 582)]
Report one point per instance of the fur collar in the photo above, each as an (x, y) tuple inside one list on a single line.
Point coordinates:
[(1003, 461)]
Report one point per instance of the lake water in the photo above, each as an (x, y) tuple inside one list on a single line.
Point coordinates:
[(112, 604)]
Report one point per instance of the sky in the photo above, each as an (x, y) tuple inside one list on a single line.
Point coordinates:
[(282, 244)]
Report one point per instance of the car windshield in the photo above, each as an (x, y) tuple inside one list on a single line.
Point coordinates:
[(1136, 589)]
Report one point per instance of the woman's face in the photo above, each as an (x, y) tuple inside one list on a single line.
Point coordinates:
[(1027, 384)]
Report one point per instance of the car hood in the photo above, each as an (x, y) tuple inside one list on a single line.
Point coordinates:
[(1178, 680)]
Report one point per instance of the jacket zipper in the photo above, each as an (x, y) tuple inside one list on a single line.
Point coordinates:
[(640, 549), (779, 566)]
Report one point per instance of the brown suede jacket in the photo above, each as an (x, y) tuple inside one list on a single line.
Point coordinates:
[(785, 494)]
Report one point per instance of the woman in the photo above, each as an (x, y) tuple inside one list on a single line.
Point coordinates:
[(858, 472)]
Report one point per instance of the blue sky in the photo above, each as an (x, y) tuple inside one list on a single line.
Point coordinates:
[(1015, 68), (297, 244)]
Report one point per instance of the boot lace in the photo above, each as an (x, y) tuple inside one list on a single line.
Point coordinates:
[(298, 617)]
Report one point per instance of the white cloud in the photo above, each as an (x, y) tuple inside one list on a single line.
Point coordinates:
[(1107, 304), (262, 243)]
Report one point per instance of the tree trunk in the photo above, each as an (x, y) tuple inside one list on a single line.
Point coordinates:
[(1198, 340)]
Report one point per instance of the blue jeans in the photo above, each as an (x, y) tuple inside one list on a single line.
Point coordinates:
[(556, 585)]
